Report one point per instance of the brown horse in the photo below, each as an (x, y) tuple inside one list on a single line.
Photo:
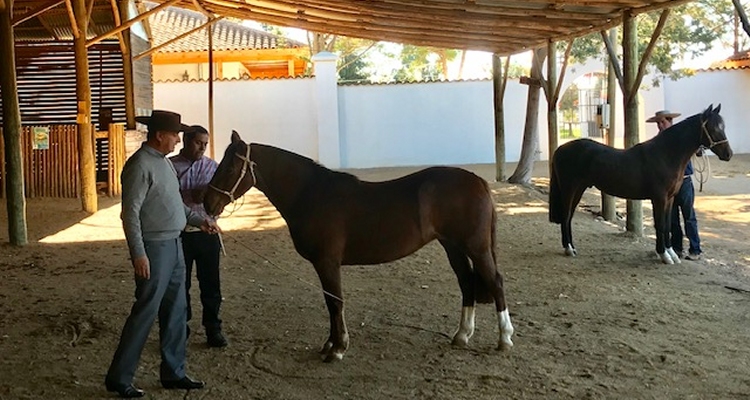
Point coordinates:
[(335, 219), (650, 170)]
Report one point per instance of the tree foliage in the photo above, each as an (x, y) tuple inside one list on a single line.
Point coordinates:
[(690, 31)]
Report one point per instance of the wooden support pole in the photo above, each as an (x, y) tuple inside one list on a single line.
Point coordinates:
[(499, 83), (39, 10), (634, 222), (130, 23), (551, 100), (609, 209), (86, 161), (13, 180), (211, 142), (176, 38), (127, 66)]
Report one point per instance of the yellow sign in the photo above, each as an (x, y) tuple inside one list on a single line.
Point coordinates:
[(40, 137)]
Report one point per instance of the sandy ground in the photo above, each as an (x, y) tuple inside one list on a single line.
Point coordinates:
[(611, 323)]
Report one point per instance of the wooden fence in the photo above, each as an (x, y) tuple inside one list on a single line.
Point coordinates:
[(50, 160)]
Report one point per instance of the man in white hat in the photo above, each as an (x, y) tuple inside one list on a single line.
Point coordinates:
[(683, 200)]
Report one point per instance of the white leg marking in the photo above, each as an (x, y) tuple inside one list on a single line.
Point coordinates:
[(466, 328), (666, 258), (570, 251), (506, 330), (674, 256)]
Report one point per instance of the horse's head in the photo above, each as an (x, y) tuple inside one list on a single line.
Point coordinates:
[(712, 133), (234, 176)]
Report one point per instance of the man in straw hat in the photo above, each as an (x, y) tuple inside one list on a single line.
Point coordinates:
[(153, 216), (683, 200)]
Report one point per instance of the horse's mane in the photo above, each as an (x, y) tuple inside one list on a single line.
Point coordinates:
[(317, 170)]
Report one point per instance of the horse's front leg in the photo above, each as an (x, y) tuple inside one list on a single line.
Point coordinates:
[(329, 273), (661, 213)]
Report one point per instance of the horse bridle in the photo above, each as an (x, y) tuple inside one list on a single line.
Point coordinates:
[(711, 142), (247, 164)]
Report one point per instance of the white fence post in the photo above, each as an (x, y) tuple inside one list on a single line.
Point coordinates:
[(327, 108)]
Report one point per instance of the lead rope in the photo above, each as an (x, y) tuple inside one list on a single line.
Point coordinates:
[(702, 166), (279, 267)]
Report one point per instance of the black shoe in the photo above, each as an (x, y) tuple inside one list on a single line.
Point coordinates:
[(184, 383), (124, 391), (216, 339)]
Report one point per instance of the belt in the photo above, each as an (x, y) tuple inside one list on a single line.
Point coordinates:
[(686, 176), (192, 229)]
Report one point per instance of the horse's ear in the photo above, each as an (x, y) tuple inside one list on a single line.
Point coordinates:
[(235, 137), (717, 109)]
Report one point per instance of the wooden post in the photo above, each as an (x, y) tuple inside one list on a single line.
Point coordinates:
[(86, 161), (634, 222), (15, 201), (551, 100), (609, 209), (210, 31), (499, 82), (127, 68)]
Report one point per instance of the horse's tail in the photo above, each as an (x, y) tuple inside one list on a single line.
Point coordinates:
[(555, 196)]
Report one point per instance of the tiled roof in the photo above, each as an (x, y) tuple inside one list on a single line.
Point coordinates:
[(227, 35), (739, 60)]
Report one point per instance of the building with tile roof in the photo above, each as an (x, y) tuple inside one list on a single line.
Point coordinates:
[(238, 51), (739, 60)]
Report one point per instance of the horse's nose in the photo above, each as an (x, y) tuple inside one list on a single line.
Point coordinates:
[(727, 155)]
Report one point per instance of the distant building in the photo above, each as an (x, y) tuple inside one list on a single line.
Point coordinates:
[(238, 51)]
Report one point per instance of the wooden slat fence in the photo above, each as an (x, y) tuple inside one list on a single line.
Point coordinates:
[(53, 172)]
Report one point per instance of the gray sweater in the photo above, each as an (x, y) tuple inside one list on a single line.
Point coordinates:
[(152, 208)]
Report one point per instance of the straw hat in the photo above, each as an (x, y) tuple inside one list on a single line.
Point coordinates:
[(663, 114)]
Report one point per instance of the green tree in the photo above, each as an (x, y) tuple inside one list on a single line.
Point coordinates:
[(423, 63), (690, 31)]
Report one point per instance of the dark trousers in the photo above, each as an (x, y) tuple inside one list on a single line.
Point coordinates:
[(162, 296), (203, 250), (683, 201)]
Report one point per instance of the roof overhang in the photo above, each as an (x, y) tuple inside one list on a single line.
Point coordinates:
[(503, 27)]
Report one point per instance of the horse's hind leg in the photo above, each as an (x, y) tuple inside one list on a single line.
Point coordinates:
[(485, 267), (573, 197), (466, 281), (338, 339)]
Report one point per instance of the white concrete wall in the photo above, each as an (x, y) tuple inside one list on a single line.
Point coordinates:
[(730, 88), (419, 124), (277, 112)]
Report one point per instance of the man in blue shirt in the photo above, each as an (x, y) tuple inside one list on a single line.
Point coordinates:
[(683, 200)]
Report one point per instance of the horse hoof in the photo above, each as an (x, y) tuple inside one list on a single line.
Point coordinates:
[(665, 258), (570, 251), (460, 342), (333, 357), (327, 346), (505, 345)]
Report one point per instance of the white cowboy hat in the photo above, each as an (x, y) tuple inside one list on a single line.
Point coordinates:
[(663, 114)]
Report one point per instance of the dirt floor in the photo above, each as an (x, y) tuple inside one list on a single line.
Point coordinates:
[(611, 323)]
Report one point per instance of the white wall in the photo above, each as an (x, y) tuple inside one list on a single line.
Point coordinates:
[(277, 112), (730, 88), (421, 124)]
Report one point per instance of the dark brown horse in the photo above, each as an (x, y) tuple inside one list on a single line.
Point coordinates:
[(335, 219), (650, 170)]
